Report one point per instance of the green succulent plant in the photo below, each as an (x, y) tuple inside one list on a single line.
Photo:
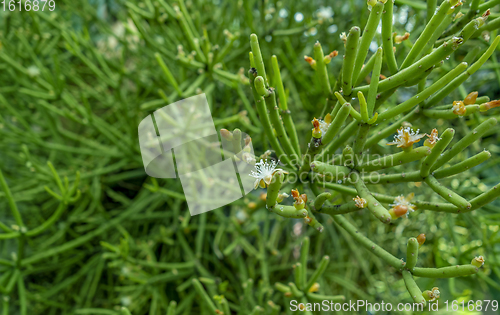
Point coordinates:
[(357, 132), (84, 230)]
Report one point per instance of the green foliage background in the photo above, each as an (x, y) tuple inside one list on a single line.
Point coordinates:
[(75, 83)]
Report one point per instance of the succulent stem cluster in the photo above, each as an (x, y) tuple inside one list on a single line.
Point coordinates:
[(357, 130)]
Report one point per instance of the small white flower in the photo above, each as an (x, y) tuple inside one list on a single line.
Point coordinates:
[(265, 172), (324, 13), (33, 71), (325, 123), (433, 139), (125, 300), (323, 126), (402, 205), (343, 37), (406, 137), (360, 202)]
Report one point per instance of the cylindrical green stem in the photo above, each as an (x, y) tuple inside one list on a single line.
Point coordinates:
[(410, 103), (260, 86), (337, 123), (273, 189), (375, 207), (330, 171), (485, 197), (463, 143), (293, 288), (320, 199), (314, 148), (348, 131), (360, 140), (204, 296), (365, 70), (368, 244), (283, 105), (289, 212), (339, 209), (411, 253), (464, 76), (12, 204), (318, 272), (363, 107), (394, 159), (445, 272), (447, 194), (367, 37), (372, 92), (464, 165), (304, 253), (448, 113), (171, 308), (319, 298), (351, 50), (429, 29), (412, 287), (387, 42), (278, 126), (266, 122), (321, 70), (436, 151), (418, 67), (257, 55)]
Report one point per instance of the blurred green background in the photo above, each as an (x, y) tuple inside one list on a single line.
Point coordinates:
[(74, 85)]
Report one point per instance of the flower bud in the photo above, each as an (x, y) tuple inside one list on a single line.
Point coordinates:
[(299, 203), (471, 98), (248, 140), (226, 134), (307, 219), (421, 239), (431, 295), (454, 4), (398, 211), (458, 15), (483, 18), (310, 61), (459, 108), (228, 34), (489, 105), (316, 131), (478, 261), (282, 196), (398, 39), (304, 197), (328, 118), (314, 287), (329, 57)]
